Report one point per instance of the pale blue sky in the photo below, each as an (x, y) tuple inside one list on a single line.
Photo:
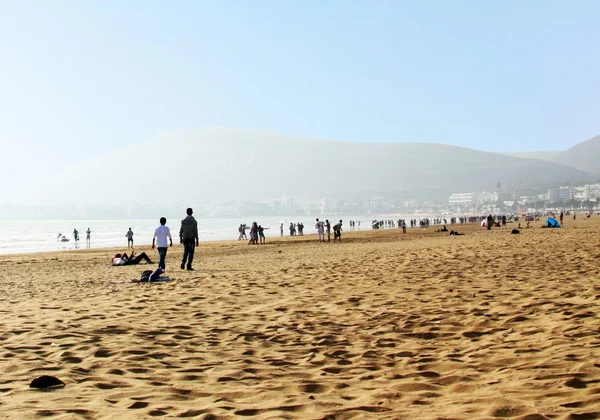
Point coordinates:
[(78, 78)]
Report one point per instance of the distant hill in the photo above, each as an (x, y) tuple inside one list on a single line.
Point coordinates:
[(544, 155), (225, 164), (584, 156)]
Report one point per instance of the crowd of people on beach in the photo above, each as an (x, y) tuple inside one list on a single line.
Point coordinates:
[(188, 233)]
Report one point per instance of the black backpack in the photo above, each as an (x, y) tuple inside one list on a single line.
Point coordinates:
[(145, 276)]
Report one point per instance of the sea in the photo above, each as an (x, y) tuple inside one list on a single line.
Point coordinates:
[(29, 236)]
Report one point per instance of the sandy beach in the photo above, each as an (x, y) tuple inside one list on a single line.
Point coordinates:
[(383, 325)]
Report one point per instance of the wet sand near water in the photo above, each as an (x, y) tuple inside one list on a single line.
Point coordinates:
[(383, 325)]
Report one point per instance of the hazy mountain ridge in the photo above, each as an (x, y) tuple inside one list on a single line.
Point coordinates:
[(547, 156), (226, 164), (584, 156)]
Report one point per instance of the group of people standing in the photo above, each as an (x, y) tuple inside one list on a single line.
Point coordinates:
[(88, 235), (323, 227), (257, 234), (295, 228)]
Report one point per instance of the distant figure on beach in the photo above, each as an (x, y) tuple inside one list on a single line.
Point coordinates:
[(188, 236), (292, 229), (337, 232), (320, 230), (75, 235), (300, 229), (328, 228), (129, 236), (253, 234), (281, 229), (261, 234), (242, 232), (561, 218), (88, 236), (161, 234), (490, 222), (124, 259)]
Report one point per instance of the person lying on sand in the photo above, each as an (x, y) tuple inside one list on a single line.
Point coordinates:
[(453, 233), (444, 229), (124, 259)]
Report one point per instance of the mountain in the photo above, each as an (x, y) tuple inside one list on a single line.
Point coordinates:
[(190, 166), (547, 156), (584, 156)]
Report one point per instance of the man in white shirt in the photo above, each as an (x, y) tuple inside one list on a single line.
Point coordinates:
[(320, 230), (160, 238)]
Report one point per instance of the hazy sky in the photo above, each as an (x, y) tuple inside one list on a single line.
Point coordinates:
[(78, 78)]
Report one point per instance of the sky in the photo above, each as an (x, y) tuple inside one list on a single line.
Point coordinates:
[(80, 78)]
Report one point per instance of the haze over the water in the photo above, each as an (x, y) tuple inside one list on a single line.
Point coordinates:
[(83, 79)]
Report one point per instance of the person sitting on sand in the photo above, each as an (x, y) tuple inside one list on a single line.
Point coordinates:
[(131, 259), (444, 229)]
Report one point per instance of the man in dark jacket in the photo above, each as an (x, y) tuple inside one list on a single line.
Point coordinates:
[(188, 236)]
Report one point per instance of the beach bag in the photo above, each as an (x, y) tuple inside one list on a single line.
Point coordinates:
[(146, 276)]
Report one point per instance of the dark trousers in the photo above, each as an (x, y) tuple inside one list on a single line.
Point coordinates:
[(189, 245), (162, 254), (139, 259)]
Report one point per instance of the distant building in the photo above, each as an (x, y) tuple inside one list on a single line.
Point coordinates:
[(560, 194), (489, 197), (587, 192), (463, 199)]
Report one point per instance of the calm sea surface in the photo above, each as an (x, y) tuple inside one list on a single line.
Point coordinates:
[(25, 236)]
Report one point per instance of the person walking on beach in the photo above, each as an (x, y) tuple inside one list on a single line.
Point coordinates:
[(75, 235), (320, 230), (337, 232), (88, 236), (561, 216), (161, 234), (328, 228), (261, 234), (188, 236), (129, 236), (281, 229), (253, 234)]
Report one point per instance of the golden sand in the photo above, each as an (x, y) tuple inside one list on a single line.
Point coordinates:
[(383, 325)]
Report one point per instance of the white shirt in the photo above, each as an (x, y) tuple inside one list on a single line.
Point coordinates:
[(319, 226), (118, 261), (161, 233)]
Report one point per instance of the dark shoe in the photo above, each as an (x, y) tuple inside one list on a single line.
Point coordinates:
[(182, 266), (190, 268)]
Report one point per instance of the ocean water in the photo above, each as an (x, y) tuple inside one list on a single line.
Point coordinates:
[(26, 236)]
